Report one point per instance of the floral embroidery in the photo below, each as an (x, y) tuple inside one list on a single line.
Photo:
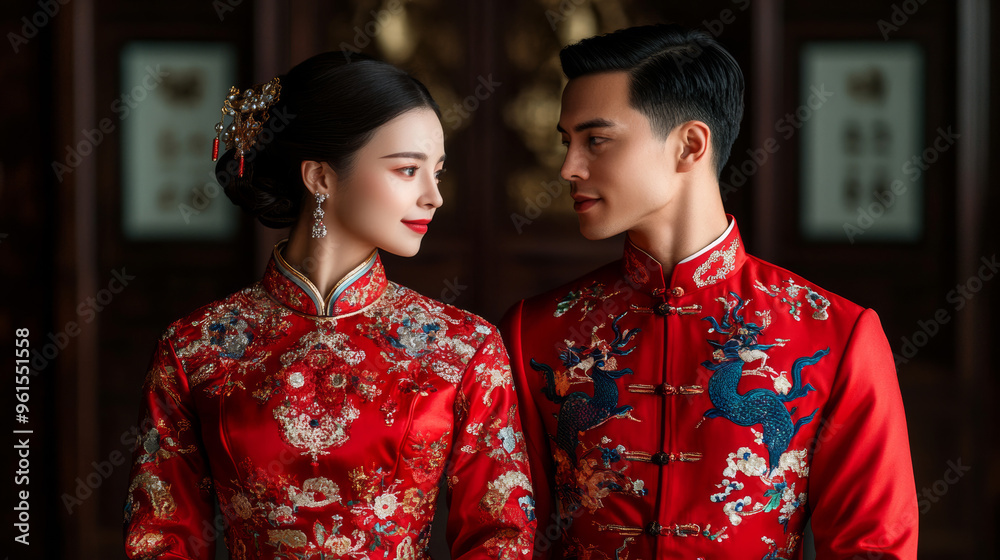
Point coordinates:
[(589, 296), (728, 258), (409, 382), (819, 303)]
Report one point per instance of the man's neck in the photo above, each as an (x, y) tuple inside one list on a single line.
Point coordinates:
[(686, 230)]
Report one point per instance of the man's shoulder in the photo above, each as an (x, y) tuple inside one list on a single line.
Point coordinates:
[(600, 281), (770, 279)]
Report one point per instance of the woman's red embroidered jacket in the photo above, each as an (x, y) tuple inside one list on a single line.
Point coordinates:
[(325, 426), (709, 414)]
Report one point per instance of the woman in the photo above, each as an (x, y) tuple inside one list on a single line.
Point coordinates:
[(323, 405)]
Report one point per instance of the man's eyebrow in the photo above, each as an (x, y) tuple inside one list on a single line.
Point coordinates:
[(592, 123)]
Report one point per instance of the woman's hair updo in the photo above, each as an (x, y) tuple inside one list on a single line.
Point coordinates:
[(329, 108)]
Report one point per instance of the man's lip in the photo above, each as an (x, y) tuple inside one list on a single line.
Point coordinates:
[(582, 203)]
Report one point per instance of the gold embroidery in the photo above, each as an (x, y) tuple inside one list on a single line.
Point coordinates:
[(728, 257)]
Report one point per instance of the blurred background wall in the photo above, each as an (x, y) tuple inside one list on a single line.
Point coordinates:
[(95, 282)]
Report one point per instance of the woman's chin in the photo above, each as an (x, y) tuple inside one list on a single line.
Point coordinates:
[(402, 250)]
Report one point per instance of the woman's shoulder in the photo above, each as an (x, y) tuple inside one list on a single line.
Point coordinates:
[(459, 322), (248, 304)]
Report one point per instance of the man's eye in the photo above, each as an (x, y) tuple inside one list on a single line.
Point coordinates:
[(596, 140)]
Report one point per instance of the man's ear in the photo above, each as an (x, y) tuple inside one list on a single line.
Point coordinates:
[(695, 139), (318, 177)]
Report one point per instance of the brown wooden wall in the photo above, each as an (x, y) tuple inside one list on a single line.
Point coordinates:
[(61, 240)]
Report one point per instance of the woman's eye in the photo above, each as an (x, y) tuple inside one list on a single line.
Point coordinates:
[(409, 171), (437, 176)]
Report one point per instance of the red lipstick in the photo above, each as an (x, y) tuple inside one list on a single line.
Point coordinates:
[(419, 226)]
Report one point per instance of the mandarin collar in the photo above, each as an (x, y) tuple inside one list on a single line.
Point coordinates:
[(713, 264), (358, 289)]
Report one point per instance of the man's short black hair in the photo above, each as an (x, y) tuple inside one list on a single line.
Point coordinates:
[(676, 75)]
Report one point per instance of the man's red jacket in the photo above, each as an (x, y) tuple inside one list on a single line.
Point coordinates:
[(710, 414)]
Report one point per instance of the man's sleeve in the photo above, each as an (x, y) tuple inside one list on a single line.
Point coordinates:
[(170, 497), (542, 472), (862, 494)]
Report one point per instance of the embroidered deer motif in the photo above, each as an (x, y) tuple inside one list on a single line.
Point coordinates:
[(579, 411), (756, 406)]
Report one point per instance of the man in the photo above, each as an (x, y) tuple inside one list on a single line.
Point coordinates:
[(692, 401)]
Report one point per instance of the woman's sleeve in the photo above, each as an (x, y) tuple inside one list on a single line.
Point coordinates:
[(550, 525), (491, 509), (169, 509)]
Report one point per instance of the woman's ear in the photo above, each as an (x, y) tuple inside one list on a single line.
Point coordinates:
[(318, 177), (696, 145)]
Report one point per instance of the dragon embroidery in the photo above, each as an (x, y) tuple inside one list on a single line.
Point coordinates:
[(579, 411), (756, 406)]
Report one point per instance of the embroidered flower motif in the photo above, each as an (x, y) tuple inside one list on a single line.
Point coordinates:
[(507, 439), (385, 505), (795, 460), (745, 461), (610, 456), (241, 505), (281, 515), (337, 545), (819, 303), (736, 510), (729, 486), (296, 379), (315, 492), (498, 491), (639, 487)]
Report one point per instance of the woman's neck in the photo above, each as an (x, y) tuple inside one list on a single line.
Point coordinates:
[(324, 261)]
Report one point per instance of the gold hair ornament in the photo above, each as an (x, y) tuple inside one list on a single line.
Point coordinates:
[(249, 112)]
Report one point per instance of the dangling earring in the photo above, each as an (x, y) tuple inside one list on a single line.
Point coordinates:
[(319, 228)]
